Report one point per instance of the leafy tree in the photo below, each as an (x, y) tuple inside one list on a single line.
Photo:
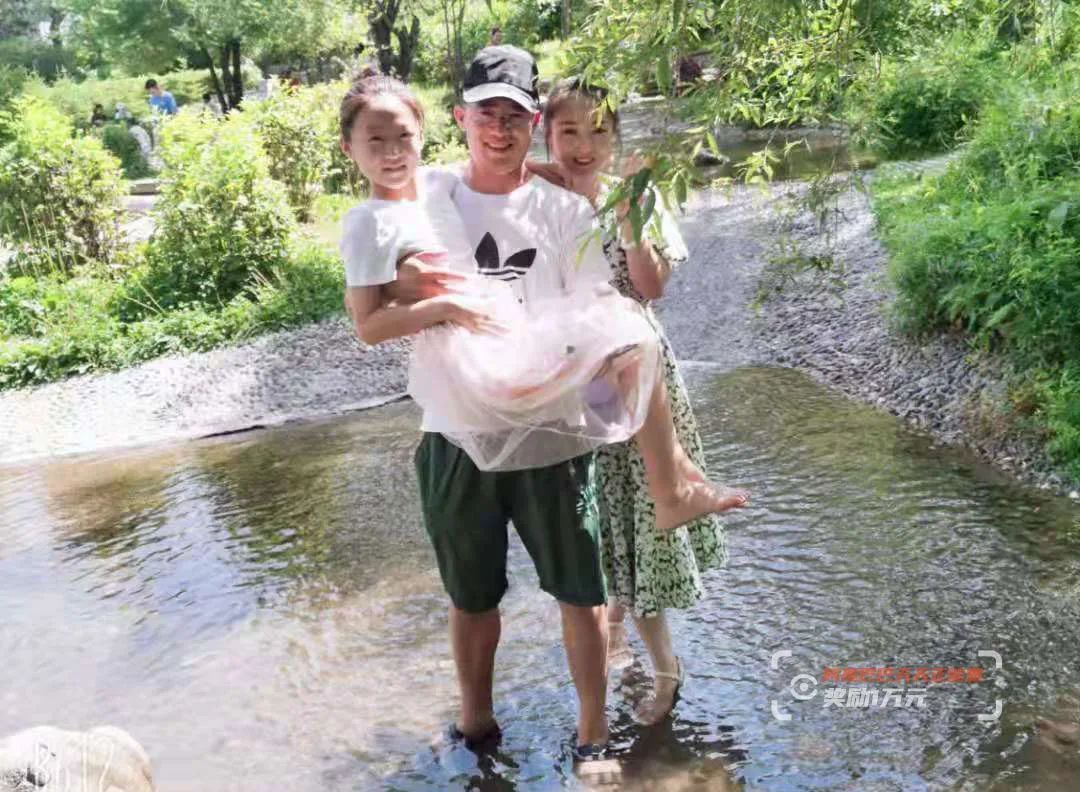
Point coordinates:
[(22, 18)]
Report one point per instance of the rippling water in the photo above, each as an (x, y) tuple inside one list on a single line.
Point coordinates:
[(263, 612)]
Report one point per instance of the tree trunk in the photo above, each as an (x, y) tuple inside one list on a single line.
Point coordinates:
[(459, 46), (451, 67), (217, 83), (56, 19), (226, 78), (237, 75), (566, 18), (382, 19), (407, 38)]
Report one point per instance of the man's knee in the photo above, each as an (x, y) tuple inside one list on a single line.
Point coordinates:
[(475, 605)]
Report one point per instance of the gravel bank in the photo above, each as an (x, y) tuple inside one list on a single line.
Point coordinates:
[(840, 333), (316, 370)]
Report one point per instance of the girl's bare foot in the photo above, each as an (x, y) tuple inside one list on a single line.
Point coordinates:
[(696, 499)]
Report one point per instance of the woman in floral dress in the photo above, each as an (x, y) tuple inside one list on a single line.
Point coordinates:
[(647, 571)]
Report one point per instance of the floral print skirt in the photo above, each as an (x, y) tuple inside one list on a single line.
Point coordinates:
[(646, 570)]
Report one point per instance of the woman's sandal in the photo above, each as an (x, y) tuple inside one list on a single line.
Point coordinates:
[(595, 765), (622, 657), (679, 675)]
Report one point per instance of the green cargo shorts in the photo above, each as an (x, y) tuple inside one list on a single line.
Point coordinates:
[(466, 511)]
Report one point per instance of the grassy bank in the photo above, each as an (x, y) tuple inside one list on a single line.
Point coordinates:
[(991, 246)]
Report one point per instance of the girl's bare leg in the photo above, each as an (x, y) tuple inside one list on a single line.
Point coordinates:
[(678, 488), (657, 639)]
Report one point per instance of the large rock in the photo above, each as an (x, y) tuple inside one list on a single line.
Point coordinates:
[(48, 759)]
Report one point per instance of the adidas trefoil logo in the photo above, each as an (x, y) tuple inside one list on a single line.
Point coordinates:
[(516, 266)]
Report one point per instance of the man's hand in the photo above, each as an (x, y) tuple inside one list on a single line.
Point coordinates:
[(418, 280)]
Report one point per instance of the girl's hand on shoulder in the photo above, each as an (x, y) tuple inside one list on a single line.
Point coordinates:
[(548, 171)]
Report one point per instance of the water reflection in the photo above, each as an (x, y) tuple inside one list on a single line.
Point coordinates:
[(266, 606)]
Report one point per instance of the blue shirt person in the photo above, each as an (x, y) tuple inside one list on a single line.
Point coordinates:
[(160, 100)]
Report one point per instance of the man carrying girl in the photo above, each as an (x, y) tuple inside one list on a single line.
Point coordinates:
[(544, 241)]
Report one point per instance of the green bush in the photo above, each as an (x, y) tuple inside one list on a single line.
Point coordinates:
[(530, 23), (298, 132), (60, 194), (221, 219), (12, 80), (1061, 395), (81, 332), (443, 141), (21, 308), (118, 140), (992, 246), (342, 175), (923, 103)]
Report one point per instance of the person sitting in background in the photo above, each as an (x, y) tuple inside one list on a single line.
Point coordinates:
[(146, 144), (289, 80), (496, 37), (98, 117), (142, 137), (160, 100)]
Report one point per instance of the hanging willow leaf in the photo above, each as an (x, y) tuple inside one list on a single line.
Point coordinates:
[(663, 74), (648, 206)]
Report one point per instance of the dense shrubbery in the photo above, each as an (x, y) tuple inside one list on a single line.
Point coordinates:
[(443, 141), (73, 327), (993, 246), (923, 102), (221, 219), (298, 132), (59, 193), (33, 53), (12, 80)]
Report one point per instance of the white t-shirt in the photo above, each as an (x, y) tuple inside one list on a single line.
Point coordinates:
[(544, 240), (377, 233)]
